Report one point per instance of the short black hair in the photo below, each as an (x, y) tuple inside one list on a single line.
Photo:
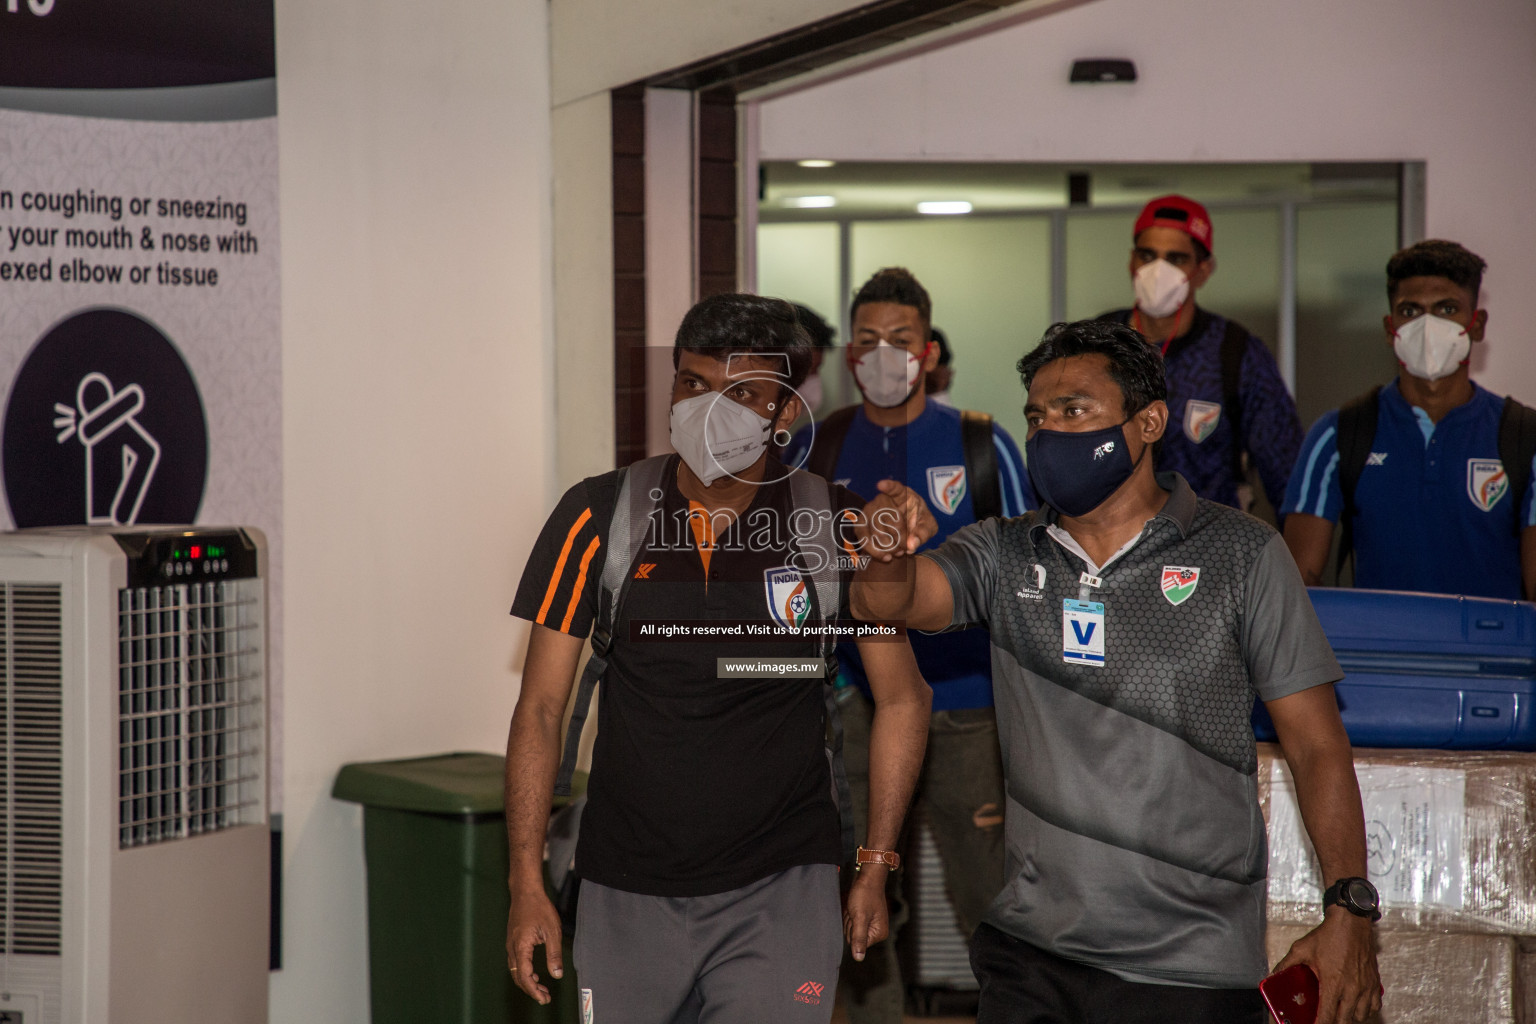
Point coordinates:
[(815, 325), (732, 322), (1134, 365), (1435, 257), (894, 284)]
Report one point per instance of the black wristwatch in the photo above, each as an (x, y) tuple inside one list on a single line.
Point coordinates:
[(1356, 895)]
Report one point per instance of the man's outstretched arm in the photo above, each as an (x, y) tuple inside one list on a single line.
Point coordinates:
[(898, 736), (893, 586), (533, 757)]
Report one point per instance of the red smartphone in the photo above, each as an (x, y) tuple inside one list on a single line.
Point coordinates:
[(1291, 995)]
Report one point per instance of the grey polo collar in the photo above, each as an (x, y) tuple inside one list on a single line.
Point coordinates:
[(1179, 509)]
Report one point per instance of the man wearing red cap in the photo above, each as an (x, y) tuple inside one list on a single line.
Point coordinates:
[(1225, 394)]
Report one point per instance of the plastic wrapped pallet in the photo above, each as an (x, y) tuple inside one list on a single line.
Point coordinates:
[(1436, 978), (1451, 837)]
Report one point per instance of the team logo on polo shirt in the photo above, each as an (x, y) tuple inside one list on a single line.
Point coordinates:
[(1033, 588), (946, 486), (1486, 482), (1200, 419), (789, 600), (1179, 581)]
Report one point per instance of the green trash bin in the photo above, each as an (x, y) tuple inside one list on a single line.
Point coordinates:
[(435, 842)]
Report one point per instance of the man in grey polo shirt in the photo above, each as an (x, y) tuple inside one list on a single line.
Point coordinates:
[(1132, 625)]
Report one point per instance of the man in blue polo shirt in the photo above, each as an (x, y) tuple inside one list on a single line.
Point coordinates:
[(1225, 392), (899, 433), (1426, 498)]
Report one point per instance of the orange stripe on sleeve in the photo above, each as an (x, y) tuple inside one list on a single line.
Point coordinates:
[(554, 579), (581, 583)]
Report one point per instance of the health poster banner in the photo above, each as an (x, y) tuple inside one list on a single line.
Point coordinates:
[(139, 307)]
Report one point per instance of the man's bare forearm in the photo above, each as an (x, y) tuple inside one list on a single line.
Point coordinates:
[(533, 752), (884, 591), (897, 737), (1328, 796)]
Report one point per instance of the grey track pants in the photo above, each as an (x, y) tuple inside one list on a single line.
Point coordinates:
[(767, 952)]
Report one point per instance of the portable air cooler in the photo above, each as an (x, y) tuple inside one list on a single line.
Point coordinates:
[(134, 845)]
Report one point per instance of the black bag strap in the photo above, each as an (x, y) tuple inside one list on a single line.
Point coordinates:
[(1517, 446), (1234, 345), (1357, 432), (637, 490), (981, 464), (818, 559), (828, 442)]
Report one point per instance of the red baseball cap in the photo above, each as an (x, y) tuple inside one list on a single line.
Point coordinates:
[(1179, 212)]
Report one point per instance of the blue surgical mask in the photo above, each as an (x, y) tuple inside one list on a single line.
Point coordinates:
[(1074, 472)]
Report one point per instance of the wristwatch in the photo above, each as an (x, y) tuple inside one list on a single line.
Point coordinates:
[(1356, 895), (862, 856)]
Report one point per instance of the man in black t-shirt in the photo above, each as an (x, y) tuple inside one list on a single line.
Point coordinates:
[(710, 843)]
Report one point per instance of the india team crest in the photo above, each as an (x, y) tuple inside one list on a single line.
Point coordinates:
[(1200, 419), (1179, 581), (789, 599), (1486, 482), (946, 486)]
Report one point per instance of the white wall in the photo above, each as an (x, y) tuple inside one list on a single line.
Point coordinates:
[(583, 287), (1233, 80), (601, 44), (418, 447), (595, 46)]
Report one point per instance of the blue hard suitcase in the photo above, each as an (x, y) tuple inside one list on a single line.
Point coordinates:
[(1429, 670)]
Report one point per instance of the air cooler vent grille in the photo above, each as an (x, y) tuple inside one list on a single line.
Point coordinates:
[(189, 709), (31, 768)]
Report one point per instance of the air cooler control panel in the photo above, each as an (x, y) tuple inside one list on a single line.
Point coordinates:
[(187, 556)]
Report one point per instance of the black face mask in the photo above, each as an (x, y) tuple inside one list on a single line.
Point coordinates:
[(1075, 473)]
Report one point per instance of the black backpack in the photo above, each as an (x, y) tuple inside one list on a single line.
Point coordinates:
[(1357, 432), (975, 439)]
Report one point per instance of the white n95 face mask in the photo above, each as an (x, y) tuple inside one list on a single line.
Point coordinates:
[(1161, 288), (1431, 347), (717, 436), (887, 374)]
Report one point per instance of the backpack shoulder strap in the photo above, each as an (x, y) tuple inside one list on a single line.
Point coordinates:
[(813, 493), (636, 493), (1517, 447), (981, 464), (828, 442), (1356, 434), (1234, 345)]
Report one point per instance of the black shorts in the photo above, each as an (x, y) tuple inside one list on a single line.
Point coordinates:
[(1022, 984)]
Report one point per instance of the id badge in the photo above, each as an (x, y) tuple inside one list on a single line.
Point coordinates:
[(1082, 632)]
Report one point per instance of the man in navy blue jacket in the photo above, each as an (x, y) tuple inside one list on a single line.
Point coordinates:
[(1226, 398)]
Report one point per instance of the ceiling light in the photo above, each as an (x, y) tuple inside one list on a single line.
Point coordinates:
[(817, 163), (810, 202), (948, 206)]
